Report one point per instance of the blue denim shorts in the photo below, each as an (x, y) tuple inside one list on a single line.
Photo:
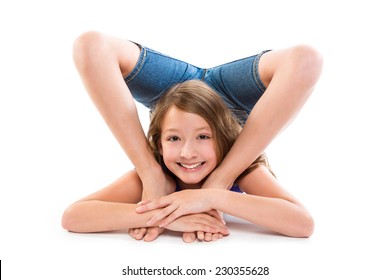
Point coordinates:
[(237, 82)]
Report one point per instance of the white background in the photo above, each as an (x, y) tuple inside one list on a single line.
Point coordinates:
[(55, 147)]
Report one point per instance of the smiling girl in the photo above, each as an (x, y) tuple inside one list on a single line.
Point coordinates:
[(265, 91), (190, 133)]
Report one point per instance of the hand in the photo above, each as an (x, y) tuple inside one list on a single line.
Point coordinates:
[(206, 227), (177, 204), (152, 191)]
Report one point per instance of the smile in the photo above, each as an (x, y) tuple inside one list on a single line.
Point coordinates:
[(191, 166)]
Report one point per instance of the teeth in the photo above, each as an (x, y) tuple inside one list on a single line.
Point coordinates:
[(192, 166)]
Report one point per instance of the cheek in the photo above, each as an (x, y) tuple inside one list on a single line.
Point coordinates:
[(212, 153), (167, 152), (217, 152)]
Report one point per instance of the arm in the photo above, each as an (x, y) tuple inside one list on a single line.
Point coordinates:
[(107, 209), (113, 208), (290, 76), (266, 204), (99, 216), (275, 214), (102, 61)]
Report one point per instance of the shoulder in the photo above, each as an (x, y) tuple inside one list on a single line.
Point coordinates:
[(261, 182), (257, 180), (125, 189)]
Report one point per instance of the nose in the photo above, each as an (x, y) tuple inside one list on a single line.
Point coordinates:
[(188, 150)]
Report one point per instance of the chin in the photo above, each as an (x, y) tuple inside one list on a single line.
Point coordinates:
[(191, 184)]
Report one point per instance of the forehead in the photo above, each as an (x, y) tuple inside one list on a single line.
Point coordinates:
[(179, 119)]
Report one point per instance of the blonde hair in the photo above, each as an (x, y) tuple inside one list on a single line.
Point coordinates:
[(196, 97)]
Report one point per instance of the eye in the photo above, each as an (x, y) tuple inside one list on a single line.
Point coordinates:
[(173, 138), (204, 137)]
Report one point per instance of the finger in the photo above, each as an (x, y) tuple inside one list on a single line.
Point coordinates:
[(143, 202), (173, 215), (206, 223), (161, 215), (213, 213), (220, 213), (213, 221), (151, 205), (189, 237), (224, 231), (217, 214)]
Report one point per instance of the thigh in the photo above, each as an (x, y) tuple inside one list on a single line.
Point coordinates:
[(155, 73), (238, 82)]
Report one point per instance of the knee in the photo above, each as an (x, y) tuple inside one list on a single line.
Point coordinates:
[(307, 63), (88, 47)]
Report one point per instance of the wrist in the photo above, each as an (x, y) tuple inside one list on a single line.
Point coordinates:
[(156, 183), (212, 198), (216, 199), (218, 180), (149, 169)]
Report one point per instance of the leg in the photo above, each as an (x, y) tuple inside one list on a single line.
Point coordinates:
[(102, 61), (290, 76)]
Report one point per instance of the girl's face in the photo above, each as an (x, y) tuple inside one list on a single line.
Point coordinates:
[(187, 147)]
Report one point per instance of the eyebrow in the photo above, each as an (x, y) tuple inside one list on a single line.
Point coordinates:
[(198, 129)]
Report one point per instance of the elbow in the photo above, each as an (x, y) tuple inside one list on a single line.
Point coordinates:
[(69, 219), (305, 227)]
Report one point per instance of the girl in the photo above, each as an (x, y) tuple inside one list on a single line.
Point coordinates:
[(190, 133), (271, 87)]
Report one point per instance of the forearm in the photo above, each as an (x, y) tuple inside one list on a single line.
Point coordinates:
[(99, 216), (290, 76), (102, 61), (276, 214), (121, 116), (268, 118), (120, 113), (124, 122)]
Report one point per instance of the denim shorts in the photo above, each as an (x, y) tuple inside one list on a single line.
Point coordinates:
[(237, 82)]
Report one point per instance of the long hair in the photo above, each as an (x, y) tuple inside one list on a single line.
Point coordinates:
[(196, 97)]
